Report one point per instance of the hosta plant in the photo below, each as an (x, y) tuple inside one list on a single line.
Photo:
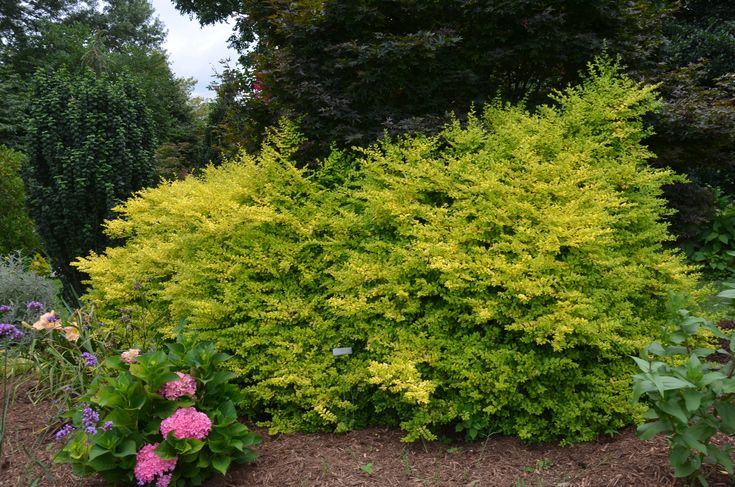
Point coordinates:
[(158, 418), (689, 386)]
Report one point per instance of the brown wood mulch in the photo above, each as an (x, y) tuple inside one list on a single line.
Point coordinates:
[(374, 457)]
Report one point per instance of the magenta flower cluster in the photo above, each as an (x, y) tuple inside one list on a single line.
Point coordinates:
[(150, 467), (187, 423), (185, 386), (4, 308)]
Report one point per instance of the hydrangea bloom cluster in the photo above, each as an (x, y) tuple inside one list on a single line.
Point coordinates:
[(90, 418), (163, 480), (185, 386), (64, 431), (187, 423), (4, 308), (34, 306), (149, 465), (10, 332), (89, 359), (130, 356)]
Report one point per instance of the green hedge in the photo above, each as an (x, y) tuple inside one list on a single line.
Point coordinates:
[(493, 278), (16, 229)]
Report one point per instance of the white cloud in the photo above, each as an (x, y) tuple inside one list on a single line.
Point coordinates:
[(193, 51)]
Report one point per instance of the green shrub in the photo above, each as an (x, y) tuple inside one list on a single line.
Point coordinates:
[(492, 278), (16, 229), (690, 393), (714, 246)]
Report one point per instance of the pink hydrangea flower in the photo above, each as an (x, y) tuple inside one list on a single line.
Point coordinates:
[(148, 466), (163, 480), (187, 423), (185, 386)]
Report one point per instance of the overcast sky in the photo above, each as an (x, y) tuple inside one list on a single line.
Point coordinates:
[(193, 51)]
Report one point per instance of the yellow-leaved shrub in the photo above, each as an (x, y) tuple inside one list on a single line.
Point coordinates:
[(492, 278)]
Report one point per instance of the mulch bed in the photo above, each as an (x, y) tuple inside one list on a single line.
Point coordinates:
[(374, 457)]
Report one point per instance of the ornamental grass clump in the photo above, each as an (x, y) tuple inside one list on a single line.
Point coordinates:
[(492, 278), (144, 421)]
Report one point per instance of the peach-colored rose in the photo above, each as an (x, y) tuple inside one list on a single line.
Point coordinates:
[(130, 356), (48, 321)]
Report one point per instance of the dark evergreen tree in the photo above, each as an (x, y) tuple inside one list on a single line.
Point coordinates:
[(91, 146)]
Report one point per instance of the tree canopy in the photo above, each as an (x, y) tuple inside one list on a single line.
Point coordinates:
[(353, 70), (123, 37)]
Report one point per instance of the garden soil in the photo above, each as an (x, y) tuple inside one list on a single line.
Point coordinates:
[(373, 457)]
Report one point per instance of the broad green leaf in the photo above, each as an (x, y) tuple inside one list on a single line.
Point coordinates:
[(644, 365), (126, 448), (682, 461), (692, 399), (655, 348), (103, 462), (97, 451), (166, 451), (691, 439), (666, 383), (726, 412), (673, 408), (649, 430), (727, 293), (221, 463), (721, 457)]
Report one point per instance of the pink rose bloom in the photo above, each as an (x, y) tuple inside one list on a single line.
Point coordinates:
[(187, 423), (148, 466), (185, 386), (130, 356)]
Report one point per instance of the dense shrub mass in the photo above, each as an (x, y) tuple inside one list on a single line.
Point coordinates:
[(492, 278), (16, 229)]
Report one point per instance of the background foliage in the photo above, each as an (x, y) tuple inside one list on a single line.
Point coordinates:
[(16, 229), (492, 278), (354, 69), (114, 37)]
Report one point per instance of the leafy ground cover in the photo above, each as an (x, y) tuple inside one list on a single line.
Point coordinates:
[(375, 457)]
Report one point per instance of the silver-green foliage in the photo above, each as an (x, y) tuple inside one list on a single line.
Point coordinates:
[(19, 286)]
